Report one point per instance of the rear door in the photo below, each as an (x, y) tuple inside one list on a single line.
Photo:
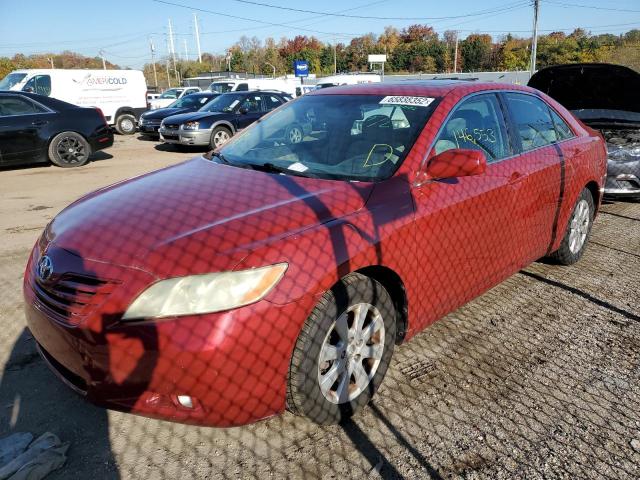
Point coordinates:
[(539, 174), (21, 129)]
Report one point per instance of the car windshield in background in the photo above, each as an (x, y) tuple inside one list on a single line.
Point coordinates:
[(347, 137), (223, 103), (190, 101), (11, 80), (172, 93), (221, 87)]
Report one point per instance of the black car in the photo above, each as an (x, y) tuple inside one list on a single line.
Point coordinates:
[(151, 119), (35, 128), (607, 98), (220, 119)]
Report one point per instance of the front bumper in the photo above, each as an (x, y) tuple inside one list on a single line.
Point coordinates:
[(231, 366), (185, 137), (623, 179)]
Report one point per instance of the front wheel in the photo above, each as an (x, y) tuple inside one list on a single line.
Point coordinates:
[(575, 239), (219, 137), (343, 351), (69, 149)]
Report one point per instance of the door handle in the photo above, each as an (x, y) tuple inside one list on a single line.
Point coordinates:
[(39, 123)]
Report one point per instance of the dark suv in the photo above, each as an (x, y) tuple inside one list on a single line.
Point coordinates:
[(220, 119)]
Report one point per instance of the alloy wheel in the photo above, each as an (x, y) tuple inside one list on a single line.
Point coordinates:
[(220, 138), (579, 226), (351, 353), (71, 150)]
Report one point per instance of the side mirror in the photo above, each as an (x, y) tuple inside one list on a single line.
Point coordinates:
[(457, 162), (243, 110)]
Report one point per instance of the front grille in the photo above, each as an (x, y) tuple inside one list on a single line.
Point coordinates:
[(151, 123), (72, 297), (170, 126)]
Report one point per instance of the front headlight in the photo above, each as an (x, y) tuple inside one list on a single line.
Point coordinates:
[(619, 153), (207, 293), (191, 126)]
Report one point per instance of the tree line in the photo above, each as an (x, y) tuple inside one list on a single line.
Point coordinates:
[(414, 49)]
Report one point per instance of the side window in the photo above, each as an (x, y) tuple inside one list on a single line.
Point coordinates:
[(532, 120), (476, 123), (252, 104), (270, 102), (562, 129), (40, 84), (18, 106), (243, 87)]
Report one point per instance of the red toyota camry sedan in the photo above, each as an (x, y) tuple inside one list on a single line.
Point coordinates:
[(279, 271)]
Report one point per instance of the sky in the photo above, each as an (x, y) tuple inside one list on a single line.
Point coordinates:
[(124, 29)]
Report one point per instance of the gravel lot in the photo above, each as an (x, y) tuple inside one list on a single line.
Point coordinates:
[(538, 378)]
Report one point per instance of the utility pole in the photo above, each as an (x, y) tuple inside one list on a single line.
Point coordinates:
[(153, 60), (51, 61), (455, 56), (104, 65), (335, 58), (534, 42), (197, 31), (274, 69), (168, 76), (186, 52), (171, 45)]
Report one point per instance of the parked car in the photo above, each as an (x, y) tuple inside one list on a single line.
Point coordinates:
[(220, 119), (348, 79), (150, 120), (289, 86), (268, 275), (605, 97), (119, 94), (171, 95), (35, 129)]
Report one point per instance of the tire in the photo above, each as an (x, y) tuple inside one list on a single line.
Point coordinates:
[(126, 124), (578, 231), (219, 136), (337, 401), (69, 149), (294, 134)]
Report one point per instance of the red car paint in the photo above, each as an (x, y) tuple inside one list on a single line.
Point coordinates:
[(446, 241)]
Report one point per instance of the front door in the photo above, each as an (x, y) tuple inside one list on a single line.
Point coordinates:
[(464, 224)]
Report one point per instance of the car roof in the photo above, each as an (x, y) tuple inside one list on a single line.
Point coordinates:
[(43, 99), (430, 88)]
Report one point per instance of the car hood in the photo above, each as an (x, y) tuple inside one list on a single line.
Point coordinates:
[(198, 216), (592, 89), (161, 113), (193, 117)]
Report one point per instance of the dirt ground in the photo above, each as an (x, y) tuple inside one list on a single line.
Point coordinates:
[(538, 378)]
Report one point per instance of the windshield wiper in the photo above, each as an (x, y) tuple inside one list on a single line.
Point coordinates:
[(268, 167), (222, 158)]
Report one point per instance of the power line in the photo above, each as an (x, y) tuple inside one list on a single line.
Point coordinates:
[(563, 4), (369, 17)]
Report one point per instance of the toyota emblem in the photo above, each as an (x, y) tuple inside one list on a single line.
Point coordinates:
[(45, 268)]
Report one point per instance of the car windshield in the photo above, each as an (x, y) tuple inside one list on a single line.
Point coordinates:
[(11, 80), (172, 93), (347, 137), (221, 87), (223, 103), (190, 101)]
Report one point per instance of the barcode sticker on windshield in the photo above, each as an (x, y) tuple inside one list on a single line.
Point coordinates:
[(404, 100)]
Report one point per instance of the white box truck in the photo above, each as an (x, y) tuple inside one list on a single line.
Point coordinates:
[(120, 94), (286, 85)]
